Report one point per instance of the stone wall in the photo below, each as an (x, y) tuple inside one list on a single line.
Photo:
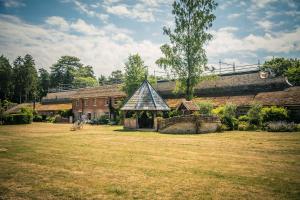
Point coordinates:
[(189, 124)]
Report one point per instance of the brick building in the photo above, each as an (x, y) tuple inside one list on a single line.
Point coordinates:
[(95, 102)]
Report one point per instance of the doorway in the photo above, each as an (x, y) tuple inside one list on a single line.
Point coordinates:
[(146, 120)]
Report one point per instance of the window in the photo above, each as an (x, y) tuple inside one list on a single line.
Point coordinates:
[(106, 102), (77, 103), (86, 102), (95, 101)]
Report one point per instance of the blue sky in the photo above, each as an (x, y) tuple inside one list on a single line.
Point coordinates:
[(102, 33)]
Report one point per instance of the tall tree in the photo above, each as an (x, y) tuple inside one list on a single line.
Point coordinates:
[(18, 79), (186, 55), (135, 72), (63, 71), (70, 71), (43, 83), (31, 81), (116, 77), (6, 83)]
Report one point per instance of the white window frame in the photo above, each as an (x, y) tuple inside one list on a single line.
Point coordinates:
[(77, 103), (95, 101), (106, 102), (86, 102)]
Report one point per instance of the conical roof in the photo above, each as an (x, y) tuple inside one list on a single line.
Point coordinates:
[(145, 98)]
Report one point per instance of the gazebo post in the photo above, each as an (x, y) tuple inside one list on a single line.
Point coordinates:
[(154, 120)]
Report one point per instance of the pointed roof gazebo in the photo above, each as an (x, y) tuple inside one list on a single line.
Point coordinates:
[(145, 102)]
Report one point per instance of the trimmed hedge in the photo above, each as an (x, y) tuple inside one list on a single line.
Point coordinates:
[(21, 118)]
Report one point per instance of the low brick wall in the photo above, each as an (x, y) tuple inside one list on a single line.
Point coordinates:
[(189, 124)]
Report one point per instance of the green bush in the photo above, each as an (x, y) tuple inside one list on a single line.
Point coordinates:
[(243, 118), (20, 118), (227, 116), (65, 113), (205, 108), (174, 113), (104, 119), (37, 118), (50, 119), (254, 114), (281, 126), (274, 113), (243, 125)]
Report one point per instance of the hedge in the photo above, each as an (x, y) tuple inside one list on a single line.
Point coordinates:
[(21, 118)]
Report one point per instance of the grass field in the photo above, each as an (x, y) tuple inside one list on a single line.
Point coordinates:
[(48, 161)]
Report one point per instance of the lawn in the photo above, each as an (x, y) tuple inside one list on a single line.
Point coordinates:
[(48, 161)]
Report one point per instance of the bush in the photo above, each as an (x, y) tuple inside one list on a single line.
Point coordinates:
[(37, 118), (274, 113), (243, 118), (281, 126), (227, 116), (218, 111), (205, 108), (104, 119), (254, 114), (50, 119), (20, 118), (65, 113), (243, 125), (174, 113)]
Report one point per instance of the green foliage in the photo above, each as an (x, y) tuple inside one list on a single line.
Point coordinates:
[(135, 73), (227, 115), (293, 73), (50, 119), (25, 79), (69, 70), (174, 113), (103, 119), (43, 82), (243, 118), (25, 116), (6, 75), (205, 108), (281, 126), (37, 118), (65, 113), (286, 67), (186, 55), (254, 114), (274, 113)]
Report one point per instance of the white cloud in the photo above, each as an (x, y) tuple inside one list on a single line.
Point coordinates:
[(105, 48), (261, 3), (138, 11), (13, 3), (233, 16), (226, 42), (84, 8), (58, 22), (265, 24)]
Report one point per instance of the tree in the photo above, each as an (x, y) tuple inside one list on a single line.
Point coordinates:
[(186, 55), (63, 71), (44, 82), (289, 68), (102, 80), (6, 83), (18, 79), (31, 78), (135, 73), (116, 77), (71, 72)]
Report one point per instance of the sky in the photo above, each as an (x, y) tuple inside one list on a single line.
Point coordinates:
[(103, 33)]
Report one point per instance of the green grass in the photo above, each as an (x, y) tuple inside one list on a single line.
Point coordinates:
[(48, 161)]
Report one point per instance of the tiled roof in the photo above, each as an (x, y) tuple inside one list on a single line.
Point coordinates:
[(288, 97), (53, 107), (100, 91), (189, 105), (145, 98), (17, 108)]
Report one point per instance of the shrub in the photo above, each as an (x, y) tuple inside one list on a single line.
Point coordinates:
[(243, 118), (37, 118), (50, 119), (281, 126), (254, 114), (57, 119), (19, 118), (104, 119), (218, 111), (274, 113), (174, 113), (243, 125), (205, 108), (65, 113), (227, 116)]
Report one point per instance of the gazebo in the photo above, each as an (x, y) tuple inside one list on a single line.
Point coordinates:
[(140, 110)]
